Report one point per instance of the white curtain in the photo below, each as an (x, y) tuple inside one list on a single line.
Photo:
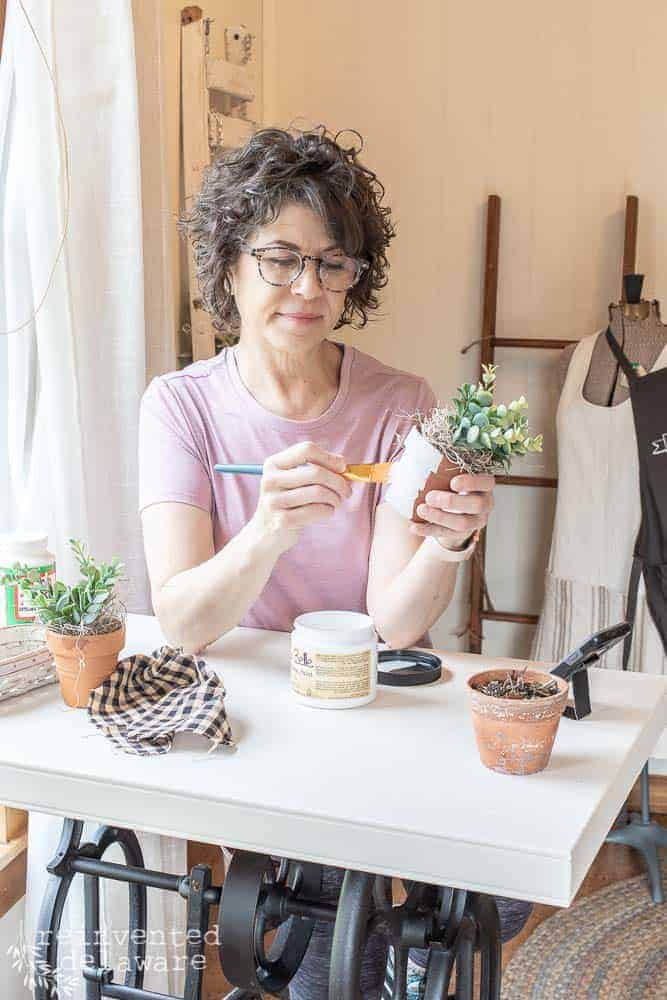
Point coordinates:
[(71, 381)]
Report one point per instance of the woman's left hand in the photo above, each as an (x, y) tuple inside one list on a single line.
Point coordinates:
[(453, 515)]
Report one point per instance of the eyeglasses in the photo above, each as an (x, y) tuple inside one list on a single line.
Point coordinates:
[(280, 266)]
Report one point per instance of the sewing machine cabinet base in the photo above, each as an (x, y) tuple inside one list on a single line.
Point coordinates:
[(259, 895)]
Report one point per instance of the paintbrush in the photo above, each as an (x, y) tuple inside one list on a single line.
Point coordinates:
[(370, 472)]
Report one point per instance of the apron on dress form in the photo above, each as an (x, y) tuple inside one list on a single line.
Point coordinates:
[(597, 518)]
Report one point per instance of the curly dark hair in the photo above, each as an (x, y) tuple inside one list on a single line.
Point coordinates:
[(247, 187)]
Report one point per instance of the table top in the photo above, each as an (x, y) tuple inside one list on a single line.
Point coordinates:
[(394, 787)]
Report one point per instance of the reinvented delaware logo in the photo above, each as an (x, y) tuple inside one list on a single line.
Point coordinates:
[(36, 972), (660, 445), (65, 981)]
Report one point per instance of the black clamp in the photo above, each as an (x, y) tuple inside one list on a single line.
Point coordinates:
[(575, 666), (581, 692)]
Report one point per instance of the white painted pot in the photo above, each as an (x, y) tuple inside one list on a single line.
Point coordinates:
[(420, 469)]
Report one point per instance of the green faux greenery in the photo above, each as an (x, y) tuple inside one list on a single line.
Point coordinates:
[(90, 605), (479, 425)]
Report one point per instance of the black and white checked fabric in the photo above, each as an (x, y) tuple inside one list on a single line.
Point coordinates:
[(147, 699)]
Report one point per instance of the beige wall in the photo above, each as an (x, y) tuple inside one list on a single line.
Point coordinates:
[(559, 109)]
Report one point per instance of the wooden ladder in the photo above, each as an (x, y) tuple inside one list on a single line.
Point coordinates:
[(479, 598), (215, 97)]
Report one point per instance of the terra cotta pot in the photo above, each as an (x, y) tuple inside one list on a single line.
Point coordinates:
[(516, 736), (84, 661)]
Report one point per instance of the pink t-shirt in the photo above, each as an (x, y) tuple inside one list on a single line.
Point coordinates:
[(192, 419)]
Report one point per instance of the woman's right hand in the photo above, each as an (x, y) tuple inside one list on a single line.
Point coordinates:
[(300, 485)]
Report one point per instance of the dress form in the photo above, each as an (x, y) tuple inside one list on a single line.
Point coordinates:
[(642, 338)]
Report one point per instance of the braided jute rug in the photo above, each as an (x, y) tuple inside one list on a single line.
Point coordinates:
[(611, 945)]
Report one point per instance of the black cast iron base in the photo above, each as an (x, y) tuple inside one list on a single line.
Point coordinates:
[(260, 895)]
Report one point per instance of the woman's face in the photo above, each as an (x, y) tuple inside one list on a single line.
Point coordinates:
[(292, 318)]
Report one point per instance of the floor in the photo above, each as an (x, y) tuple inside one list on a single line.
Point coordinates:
[(613, 863)]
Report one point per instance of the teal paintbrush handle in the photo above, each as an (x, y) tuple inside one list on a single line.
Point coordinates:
[(248, 470)]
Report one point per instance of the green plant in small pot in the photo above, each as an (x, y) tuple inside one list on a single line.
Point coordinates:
[(84, 623), (476, 435), (473, 434)]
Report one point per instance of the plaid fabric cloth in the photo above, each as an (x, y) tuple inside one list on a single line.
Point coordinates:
[(147, 699)]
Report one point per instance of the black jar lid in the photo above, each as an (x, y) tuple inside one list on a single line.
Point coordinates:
[(419, 667)]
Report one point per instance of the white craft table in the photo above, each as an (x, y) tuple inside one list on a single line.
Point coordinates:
[(395, 787)]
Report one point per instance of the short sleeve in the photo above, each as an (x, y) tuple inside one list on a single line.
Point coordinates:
[(171, 466), (423, 400)]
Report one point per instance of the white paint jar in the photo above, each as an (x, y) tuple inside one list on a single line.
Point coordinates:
[(334, 660)]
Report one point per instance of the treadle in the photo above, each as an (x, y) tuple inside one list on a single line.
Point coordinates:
[(259, 896)]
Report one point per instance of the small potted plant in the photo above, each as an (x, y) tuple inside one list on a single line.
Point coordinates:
[(84, 624), (515, 716), (475, 435)]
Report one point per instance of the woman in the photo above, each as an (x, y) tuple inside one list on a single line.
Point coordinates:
[(290, 239)]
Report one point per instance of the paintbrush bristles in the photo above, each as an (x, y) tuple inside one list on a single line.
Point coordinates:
[(371, 472)]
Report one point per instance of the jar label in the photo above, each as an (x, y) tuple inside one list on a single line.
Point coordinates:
[(15, 606), (331, 675)]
